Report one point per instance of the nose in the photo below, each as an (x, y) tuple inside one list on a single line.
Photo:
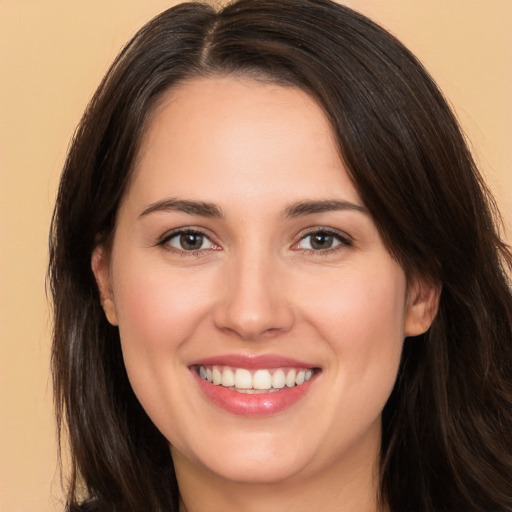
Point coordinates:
[(254, 303)]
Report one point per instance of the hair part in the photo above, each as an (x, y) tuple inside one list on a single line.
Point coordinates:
[(446, 427)]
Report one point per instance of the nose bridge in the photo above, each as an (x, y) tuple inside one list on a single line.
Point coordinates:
[(254, 301)]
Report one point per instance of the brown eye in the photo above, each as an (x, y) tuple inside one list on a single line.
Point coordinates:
[(189, 241), (321, 241)]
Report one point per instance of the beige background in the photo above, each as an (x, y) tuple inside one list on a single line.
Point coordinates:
[(52, 55)]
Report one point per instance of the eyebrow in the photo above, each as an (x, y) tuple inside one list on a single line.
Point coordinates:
[(303, 208), (294, 210), (179, 205)]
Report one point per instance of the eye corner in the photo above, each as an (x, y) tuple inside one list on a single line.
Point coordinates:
[(198, 243), (328, 240)]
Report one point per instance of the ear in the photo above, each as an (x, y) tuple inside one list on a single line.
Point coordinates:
[(100, 264), (422, 305)]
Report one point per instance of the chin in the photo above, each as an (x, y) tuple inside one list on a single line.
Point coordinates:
[(258, 471), (262, 460)]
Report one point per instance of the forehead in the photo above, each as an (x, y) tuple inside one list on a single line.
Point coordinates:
[(216, 135)]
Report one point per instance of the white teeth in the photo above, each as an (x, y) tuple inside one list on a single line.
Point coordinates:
[(243, 379), (290, 378), (279, 379), (216, 376), (228, 378), (263, 380)]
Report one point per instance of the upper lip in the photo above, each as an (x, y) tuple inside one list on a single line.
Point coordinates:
[(253, 361)]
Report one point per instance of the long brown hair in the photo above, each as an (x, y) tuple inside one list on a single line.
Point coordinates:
[(447, 426)]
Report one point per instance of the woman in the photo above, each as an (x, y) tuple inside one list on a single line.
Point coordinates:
[(277, 278)]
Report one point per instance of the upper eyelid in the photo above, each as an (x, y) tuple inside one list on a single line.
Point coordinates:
[(164, 242), (344, 239), (323, 229), (303, 233), (188, 229)]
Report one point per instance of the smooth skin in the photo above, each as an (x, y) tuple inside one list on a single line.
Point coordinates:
[(237, 267)]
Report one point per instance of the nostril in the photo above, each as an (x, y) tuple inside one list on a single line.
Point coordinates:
[(248, 332), (251, 325), (253, 302)]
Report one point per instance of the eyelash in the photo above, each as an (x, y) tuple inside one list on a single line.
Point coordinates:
[(165, 242), (342, 239)]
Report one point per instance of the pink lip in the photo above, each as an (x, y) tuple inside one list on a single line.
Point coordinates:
[(253, 362), (252, 405)]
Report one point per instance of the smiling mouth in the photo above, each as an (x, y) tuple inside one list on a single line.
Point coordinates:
[(242, 380)]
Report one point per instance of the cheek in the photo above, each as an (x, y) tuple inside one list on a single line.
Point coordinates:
[(157, 307), (158, 311), (358, 302), (360, 315)]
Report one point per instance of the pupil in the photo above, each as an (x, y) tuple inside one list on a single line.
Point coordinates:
[(191, 241), (321, 241)]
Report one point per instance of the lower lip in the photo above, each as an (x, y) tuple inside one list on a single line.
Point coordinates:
[(260, 404)]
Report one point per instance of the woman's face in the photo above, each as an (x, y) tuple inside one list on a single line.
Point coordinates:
[(244, 258)]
